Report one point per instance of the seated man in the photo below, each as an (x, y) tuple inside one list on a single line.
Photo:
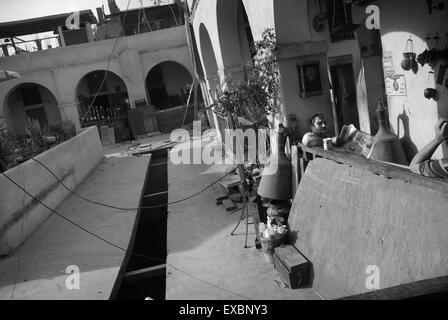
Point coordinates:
[(318, 132), (422, 162)]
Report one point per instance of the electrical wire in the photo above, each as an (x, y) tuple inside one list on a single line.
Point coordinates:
[(121, 208), (334, 14), (60, 215), (19, 259), (114, 245), (139, 12), (83, 118), (174, 15)]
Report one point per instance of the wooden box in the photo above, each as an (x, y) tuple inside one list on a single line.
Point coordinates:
[(291, 266)]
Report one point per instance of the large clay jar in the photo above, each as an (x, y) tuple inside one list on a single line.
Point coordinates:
[(276, 180), (279, 209), (388, 146)]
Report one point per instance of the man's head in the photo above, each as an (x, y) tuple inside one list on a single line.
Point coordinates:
[(318, 124)]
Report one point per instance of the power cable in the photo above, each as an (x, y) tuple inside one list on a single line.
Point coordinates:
[(83, 118), (112, 244), (60, 215), (174, 15), (121, 208), (107, 67), (19, 259)]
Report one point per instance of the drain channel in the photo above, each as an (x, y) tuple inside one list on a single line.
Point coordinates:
[(139, 276)]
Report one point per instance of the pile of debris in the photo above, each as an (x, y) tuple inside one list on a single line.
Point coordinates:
[(138, 150)]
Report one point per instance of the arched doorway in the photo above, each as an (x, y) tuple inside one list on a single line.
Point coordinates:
[(245, 34), (103, 100), (210, 68), (31, 101), (235, 38), (168, 85), (209, 64)]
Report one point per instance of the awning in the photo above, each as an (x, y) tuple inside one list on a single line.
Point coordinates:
[(6, 75)]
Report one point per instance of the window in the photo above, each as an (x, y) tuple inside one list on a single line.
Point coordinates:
[(31, 96), (339, 13), (94, 80)]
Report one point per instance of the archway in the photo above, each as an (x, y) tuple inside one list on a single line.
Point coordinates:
[(245, 33), (210, 69), (168, 85), (31, 101), (104, 102), (235, 38), (208, 59)]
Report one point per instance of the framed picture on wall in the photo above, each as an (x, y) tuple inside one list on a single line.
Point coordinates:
[(309, 79)]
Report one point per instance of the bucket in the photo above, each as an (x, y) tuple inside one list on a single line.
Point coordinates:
[(268, 248)]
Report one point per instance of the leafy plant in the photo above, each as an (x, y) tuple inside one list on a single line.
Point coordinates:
[(10, 145), (63, 130), (259, 97), (15, 149), (35, 132), (3, 152)]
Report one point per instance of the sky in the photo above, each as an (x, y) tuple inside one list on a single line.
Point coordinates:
[(11, 10)]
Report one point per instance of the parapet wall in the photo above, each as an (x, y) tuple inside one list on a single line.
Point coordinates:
[(351, 220), (71, 161)]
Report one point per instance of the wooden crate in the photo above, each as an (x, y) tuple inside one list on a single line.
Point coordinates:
[(291, 266)]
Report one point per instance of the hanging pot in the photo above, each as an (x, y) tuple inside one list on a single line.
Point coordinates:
[(424, 57), (430, 92), (409, 56), (406, 62)]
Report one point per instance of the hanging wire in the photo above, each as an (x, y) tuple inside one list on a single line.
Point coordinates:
[(114, 245), (334, 14), (345, 11), (139, 14), (430, 82), (174, 15), (129, 209), (19, 259)]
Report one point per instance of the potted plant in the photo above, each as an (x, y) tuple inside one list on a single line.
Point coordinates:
[(258, 98)]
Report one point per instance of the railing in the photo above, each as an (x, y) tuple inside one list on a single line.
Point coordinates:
[(26, 46)]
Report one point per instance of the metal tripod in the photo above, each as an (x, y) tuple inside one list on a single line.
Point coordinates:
[(243, 211)]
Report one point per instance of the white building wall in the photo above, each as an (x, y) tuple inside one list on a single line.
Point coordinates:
[(61, 69)]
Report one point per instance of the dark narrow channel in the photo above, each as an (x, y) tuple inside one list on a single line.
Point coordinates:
[(143, 272)]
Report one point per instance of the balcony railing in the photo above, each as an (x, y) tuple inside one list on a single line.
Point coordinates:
[(25, 46)]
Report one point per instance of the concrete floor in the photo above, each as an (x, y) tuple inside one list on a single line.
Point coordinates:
[(39, 266), (204, 261)]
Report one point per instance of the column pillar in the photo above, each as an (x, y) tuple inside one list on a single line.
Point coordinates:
[(131, 69), (69, 111), (230, 74)]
